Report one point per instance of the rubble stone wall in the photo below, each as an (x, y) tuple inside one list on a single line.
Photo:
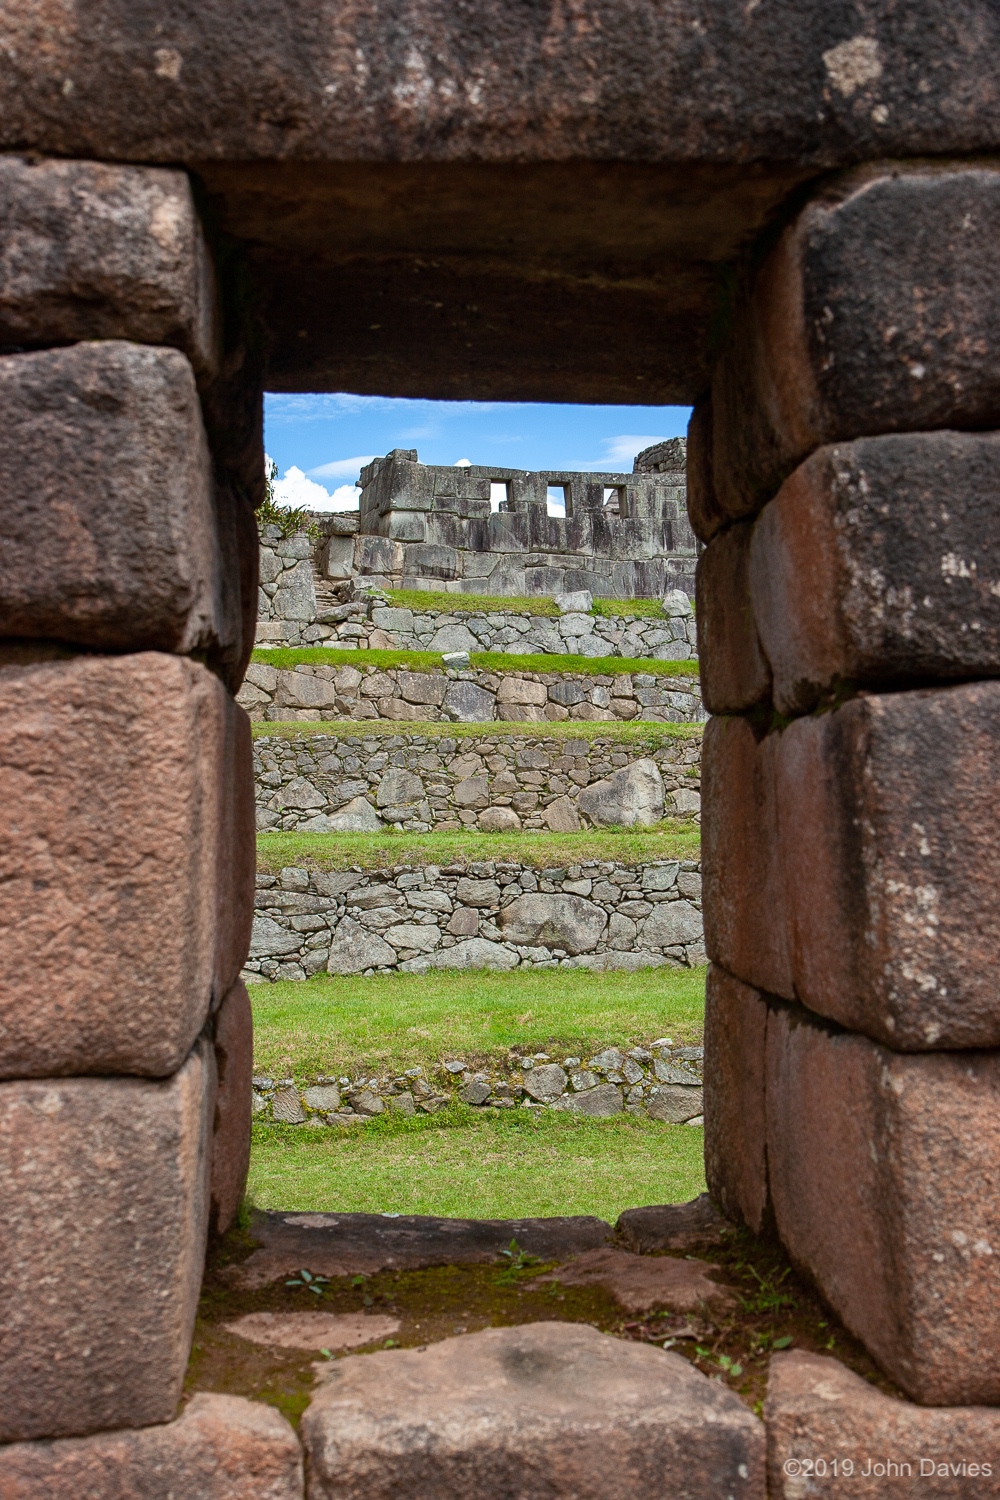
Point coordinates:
[(312, 691), (484, 915), (322, 782)]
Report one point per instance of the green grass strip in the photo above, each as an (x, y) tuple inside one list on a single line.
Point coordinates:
[(674, 838), (619, 732), (437, 602), (332, 1024), (494, 661), (645, 609), (459, 1164)]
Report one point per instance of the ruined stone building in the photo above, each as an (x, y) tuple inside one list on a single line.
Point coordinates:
[(486, 530)]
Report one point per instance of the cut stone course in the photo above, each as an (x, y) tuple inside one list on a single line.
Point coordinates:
[(533, 1411), (233, 1099), (341, 781), (735, 1117), (105, 1184), (219, 1448), (112, 773)]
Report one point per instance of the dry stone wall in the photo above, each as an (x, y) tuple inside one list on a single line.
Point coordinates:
[(662, 1082), (481, 915), (326, 783), (313, 691)]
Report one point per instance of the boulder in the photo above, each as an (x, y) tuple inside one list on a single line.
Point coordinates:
[(672, 924), (545, 1083), (561, 816), (475, 953), (630, 796), (356, 816), (354, 949), (581, 602), (553, 921), (398, 787), (675, 1104), (543, 1411), (676, 604), (672, 1226), (601, 1102), (453, 638), (270, 939), (499, 820), (467, 703)]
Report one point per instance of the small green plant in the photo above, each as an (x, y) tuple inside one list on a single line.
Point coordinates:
[(314, 1284), (288, 518), (518, 1262), (725, 1362)]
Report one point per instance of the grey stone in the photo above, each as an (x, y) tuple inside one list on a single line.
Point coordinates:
[(675, 1105), (475, 1092), (286, 1107), (476, 953), (611, 1058), (323, 1096), (458, 661), (660, 877), (392, 619), (671, 924), (298, 793), (356, 816), (453, 638), (498, 820), (546, 1083), (632, 1071), (354, 949), (668, 1072), (581, 602), (583, 1079), (676, 604), (632, 795), (604, 1100), (269, 938), (398, 787), (366, 1102), (554, 921), (401, 1104), (467, 703), (472, 892), (422, 937)]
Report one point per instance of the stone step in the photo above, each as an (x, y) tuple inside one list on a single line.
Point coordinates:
[(545, 1411)]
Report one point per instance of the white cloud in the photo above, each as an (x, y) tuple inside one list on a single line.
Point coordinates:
[(342, 468), (463, 463), (619, 454), (297, 489)]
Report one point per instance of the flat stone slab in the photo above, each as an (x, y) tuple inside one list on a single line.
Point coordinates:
[(362, 1244), (640, 1283), (831, 1434), (540, 1412), (672, 1226), (313, 1330)]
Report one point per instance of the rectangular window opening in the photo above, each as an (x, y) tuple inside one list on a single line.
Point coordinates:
[(499, 494), (558, 501), (616, 500)]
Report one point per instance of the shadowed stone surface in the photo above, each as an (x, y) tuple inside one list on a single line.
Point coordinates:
[(233, 1106), (671, 1226), (105, 1189), (104, 252), (642, 1282), (871, 315), (535, 1412), (110, 535), (734, 671), (353, 1244), (735, 1124), (220, 1448), (111, 786), (815, 1406), (882, 1168), (888, 812)]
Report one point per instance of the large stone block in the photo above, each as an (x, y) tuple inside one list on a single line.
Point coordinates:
[(874, 313), (237, 848), (734, 671), (735, 1122), (110, 530), (94, 251), (877, 563), (746, 915), (104, 1183), (546, 1411), (882, 1169), (829, 1432), (231, 1125), (888, 810), (112, 790), (219, 1448)]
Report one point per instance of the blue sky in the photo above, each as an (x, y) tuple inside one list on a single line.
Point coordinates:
[(320, 441)]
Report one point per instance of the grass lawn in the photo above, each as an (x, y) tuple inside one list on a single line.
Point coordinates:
[(464, 1162), (396, 1021), (623, 732), (439, 602), (674, 838), (461, 1164), (493, 661)]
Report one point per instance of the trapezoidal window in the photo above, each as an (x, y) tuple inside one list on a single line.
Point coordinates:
[(616, 500), (558, 501), (499, 494)]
